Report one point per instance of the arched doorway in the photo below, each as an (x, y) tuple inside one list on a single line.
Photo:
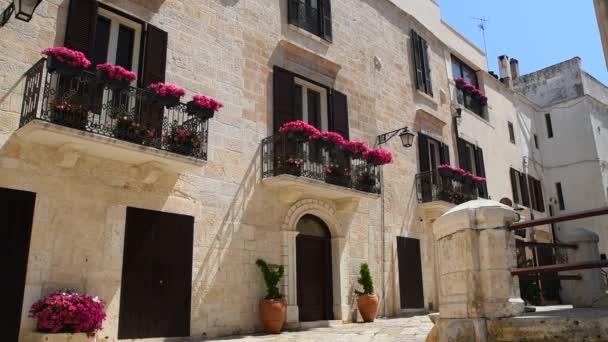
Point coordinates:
[(313, 270)]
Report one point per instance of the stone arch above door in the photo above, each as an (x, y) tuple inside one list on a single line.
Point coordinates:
[(319, 208)]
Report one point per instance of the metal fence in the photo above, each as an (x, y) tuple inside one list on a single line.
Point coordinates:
[(432, 186)]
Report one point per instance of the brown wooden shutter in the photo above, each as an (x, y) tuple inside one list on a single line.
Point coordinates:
[(444, 155), (481, 172), (514, 176), (339, 114), (538, 189), (423, 153), (80, 29), (428, 87), (155, 63), (326, 26), (283, 99), (417, 60), (464, 159), (525, 193)]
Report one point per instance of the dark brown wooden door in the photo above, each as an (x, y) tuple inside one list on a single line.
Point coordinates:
[(157, 275), (410, 273), (16, 214), (314, 278)]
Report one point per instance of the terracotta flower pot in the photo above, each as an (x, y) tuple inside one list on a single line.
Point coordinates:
[(272, 313), (368, 306)]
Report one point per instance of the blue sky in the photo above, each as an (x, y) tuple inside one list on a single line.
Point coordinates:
[(539, 33)]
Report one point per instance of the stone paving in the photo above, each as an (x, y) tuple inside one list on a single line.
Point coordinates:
[(414, 328)]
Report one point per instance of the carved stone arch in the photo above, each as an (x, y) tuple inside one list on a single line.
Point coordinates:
[(318, 208)]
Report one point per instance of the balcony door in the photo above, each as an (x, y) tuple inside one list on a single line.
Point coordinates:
[(431, 154), (311, 99)]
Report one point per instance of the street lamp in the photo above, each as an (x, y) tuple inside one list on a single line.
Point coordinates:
[(24, 10), (407, 137)]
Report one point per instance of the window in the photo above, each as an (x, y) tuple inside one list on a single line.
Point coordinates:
[(432, 153), (459, 69), (470, 158), (313, 99), (536, 141), (313, 16), (519, 186), (560, 196), (511, 133), (423, 68), (549, 125), (536, 194)]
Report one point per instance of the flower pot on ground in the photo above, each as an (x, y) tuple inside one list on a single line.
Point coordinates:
[(203, 107), (114, 76), (167, 95), (68, 114), (65, 61), (367, 301), (273, 308)]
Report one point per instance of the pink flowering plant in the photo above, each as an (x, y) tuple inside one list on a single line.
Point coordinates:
[(330, 140), (73, 58), (471, 89), (378, 156), (205, 102), (355, 149), (182, 139), (299, 130), (128, 129), (116, 72), (69, 312), (166, 94)]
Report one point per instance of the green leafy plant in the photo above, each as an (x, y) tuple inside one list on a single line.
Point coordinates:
[(365, 280), (272, 276)]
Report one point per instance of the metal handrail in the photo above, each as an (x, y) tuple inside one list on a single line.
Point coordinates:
[(559, 218)]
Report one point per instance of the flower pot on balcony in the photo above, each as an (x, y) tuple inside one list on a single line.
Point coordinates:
[(272, 313), (54, 65), (368, 306), (445, 172), (202, 113), (166, 100), (103, 77), (69, 115)]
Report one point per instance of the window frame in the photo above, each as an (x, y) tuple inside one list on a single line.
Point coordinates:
[(536, 141), (511, 132), (320, 27), (560, 195), (466, 100), (549, 125), (324, 94), (422, 66)]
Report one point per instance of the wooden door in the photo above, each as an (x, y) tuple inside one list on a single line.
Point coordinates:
[(16, 214), (410, 273), (314, 278), (157, 275)]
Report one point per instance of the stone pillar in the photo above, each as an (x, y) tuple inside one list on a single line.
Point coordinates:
[(290, 280), (340, 280), (589, 290), (475, 257)]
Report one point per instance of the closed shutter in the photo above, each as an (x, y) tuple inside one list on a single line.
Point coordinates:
[(428, 87), (283, 98), (514, 176), (523, 181), (326, 20), (481, 172), (463, 157), (417, 60), (538, 189), (444, 155), (80, 30), (339, 114), (292, 11), (423, 153), (532, 192), (154, 62)]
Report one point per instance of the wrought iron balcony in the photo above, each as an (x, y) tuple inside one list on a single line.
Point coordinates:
[(284, 156), (81, 103), (431, 187)]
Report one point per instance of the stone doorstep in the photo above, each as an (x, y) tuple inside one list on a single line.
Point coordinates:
[(312, 325)]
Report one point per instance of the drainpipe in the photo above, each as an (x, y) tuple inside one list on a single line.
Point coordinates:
[(382, 238)]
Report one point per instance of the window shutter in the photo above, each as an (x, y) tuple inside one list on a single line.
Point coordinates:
[(524, 190), (423, 153), (428, 87), (326, 19), (339, 113), (539, 195), (154, 66), (514, 185), (532, 191), (463, 157), (444, 154), (283, 99), (80, 30), (481, 172), (292, 11), (417, 60)]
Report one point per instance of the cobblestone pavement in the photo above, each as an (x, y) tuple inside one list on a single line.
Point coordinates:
[(413, 328)]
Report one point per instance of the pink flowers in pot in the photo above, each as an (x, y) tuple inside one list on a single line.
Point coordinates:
[(378, 156), (331, 138), (463, 174), (470, 88), (355, 148), (205, 102), (116, 72), (70, 57), (167, 90), (301, 128), (69, 312)]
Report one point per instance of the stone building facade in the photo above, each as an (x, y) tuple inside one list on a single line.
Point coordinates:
[(367, 68)]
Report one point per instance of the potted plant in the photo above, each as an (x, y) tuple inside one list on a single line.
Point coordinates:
[(203, 107), (354, 149), (293, 166), (337, 175), (445, 170), (167, 95), (272, 308), (367, 301), (114, 76), (128, 129), (68, 114), (460, 82), (330, 141), (65, 61), (378, 156), (68, 313), (182, 140), (299, 131), (458, 174), (367, 182)]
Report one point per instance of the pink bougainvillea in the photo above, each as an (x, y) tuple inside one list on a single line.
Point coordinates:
[(460, 81), (471, 88), (206, 102), (378, 156), (116, 72), (356, 148), (300, 127), (69, 312), (70, 57), (331, 137), (164, 89)]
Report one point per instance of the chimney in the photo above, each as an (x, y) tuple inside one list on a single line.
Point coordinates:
[(514, 68), (504, 69)]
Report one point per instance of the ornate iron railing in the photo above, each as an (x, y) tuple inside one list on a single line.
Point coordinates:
[(81, 102), (305, 16), (282, 155), (431, 186)]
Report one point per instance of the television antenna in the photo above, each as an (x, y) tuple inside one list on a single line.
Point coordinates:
[(482, 27)]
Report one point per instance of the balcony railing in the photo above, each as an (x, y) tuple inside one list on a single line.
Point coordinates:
[(470, 102), (304, 16), (431, 186), (283, 156), (129, 114)]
